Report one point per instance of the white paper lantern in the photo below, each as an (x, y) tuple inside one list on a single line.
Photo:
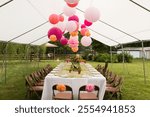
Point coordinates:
[(61, 25), (92, 14), (71, 26), (86, 41), (68, 11), (71, 1)]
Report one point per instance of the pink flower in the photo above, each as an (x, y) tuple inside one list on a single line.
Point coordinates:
[(90, 87)]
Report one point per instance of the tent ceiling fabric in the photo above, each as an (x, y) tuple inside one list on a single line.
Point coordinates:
[(23, 15)]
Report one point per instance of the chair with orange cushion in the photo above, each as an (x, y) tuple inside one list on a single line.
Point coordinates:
[(62, 92)]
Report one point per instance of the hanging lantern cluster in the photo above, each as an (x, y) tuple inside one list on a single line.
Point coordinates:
[(73, 26)]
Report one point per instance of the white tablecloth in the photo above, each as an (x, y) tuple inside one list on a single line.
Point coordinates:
[(75, 83)]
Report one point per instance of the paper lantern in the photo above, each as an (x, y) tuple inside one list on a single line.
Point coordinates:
[(72, 5), (73, 18), (55, 31), (87, 33), (74, 33), (74, 49), (73, 42), (71, 1), (64, 41), (83, 26), (68, 11), (83, 31), (87, 23), (90, 87), (54, 19), (61, 87), (77, 24), (86, 41), (92, 14), (61, 26), (61, 18), (53, 38), (71, 26)]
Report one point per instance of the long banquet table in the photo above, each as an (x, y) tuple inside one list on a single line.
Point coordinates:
[(75, 82)]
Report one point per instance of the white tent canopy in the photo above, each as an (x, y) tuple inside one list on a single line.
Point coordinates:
[(121, 21)]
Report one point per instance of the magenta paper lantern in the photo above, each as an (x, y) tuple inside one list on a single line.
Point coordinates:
[(83, 31), (71, 26), (53, 18), (68, 11), (92, 14), (72, 5), (71, 1), (86, 41), (61, 25), (87, 23), (64, 41), (73, 18), (83, 26), (73, 42), (55, 31)]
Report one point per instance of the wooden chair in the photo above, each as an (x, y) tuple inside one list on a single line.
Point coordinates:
[(64, 95), (115, 88), (32, 88), (85, 95)]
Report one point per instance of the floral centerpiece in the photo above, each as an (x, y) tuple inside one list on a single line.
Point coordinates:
[(75, 64)]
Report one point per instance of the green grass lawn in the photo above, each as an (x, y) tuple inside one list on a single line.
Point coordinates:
[(133, 88)]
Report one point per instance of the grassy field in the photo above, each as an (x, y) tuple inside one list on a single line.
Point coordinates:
[(133, 88)]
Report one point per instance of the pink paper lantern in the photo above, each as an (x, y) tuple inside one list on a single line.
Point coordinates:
[(92, 14), (90, 87), (73, 18), (86, 41), (64, 41), (71, 1), (87, 23), (77, 24), (54, 19), (73, 42), (83, 31), (83, 26), (68, 11), (55, 31), (71, 26), (72, 5)]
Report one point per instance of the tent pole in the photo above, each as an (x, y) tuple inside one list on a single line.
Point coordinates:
[(111, 55), (143, 58), (38, 56), (5, 61), (123, 61)]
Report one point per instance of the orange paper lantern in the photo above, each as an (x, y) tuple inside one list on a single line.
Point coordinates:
[(61, 18), (74, 34), (54, 19), (53, 38), (75, 49), (87, 33)]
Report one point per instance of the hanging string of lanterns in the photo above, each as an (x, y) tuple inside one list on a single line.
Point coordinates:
[(73, 26)]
